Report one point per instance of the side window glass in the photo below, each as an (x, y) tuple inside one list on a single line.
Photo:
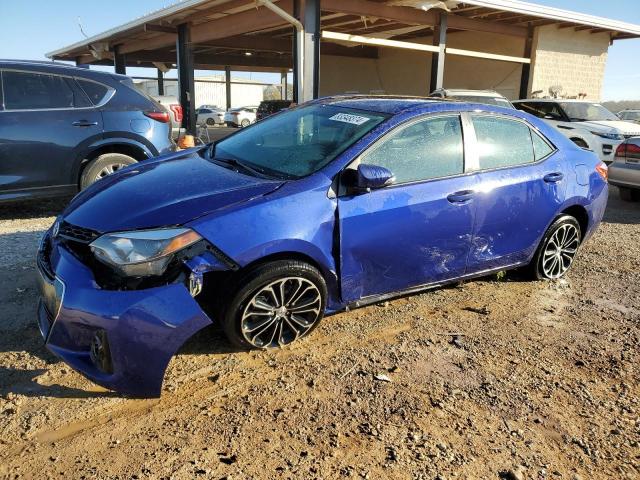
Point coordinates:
[(502, 142), (540, 147), (80, 99), (430, 148), (95, 91), (33, 91)]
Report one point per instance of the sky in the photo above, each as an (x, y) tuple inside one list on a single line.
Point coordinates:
[(31, 28)]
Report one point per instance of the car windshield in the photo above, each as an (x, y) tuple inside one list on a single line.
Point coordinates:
[(498, 101), (585, 111), (298, 142)]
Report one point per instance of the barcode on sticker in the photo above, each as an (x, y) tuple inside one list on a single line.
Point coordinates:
[(347, 118)]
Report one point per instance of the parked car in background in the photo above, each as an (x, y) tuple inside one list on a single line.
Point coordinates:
[(62, 128), (173, 106), (624, 172), (240, 117), (210, 116), (487, 97), (341, 202), (630, 115), (269, 107), (587, 124)]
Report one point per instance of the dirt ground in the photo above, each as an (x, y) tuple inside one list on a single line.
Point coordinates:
[(489, 379)]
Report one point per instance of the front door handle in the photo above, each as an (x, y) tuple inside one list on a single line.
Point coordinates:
[(84, 123), (461, 197), (554, 177)]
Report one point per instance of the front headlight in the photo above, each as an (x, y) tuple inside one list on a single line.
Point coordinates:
[(609, 136), (142, 252)]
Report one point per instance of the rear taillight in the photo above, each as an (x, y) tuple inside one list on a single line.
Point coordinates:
[(177, 111), (621, 151), (603, 170), (159, 116)]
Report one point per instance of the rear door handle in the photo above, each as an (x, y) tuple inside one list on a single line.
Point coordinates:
[(84, 123), (554, 177), (461, 197)]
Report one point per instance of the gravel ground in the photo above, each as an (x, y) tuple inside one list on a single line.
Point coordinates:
[(488, 379)]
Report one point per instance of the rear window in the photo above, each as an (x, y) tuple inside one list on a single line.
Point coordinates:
[(94, 90)]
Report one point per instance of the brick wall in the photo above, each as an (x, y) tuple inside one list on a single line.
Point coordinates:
[(573, 60)]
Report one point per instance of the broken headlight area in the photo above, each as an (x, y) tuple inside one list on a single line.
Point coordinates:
[(150, 258)]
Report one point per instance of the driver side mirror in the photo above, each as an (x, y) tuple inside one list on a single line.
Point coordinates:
[(371, 177)]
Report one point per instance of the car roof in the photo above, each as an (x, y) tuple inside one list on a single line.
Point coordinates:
[(57, 67), (378, 103)]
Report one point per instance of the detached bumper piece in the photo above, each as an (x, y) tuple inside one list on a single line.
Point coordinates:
[(122, 340)]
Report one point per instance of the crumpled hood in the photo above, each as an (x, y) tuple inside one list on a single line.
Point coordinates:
[(171, 190), (613, 126)]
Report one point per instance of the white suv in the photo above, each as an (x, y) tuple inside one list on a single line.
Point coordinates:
[(587, 124)]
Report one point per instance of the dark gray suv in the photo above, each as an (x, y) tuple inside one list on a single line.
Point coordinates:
[(62, 128)]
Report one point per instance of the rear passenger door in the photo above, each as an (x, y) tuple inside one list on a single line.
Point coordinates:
[(521, 185), (46, 123)]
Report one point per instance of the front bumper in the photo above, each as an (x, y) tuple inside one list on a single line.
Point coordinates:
[(143, 328)]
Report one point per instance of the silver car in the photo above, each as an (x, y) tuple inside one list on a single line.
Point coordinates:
[(624, 172)]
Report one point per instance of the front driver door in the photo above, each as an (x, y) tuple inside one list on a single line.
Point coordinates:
[(418, 230)]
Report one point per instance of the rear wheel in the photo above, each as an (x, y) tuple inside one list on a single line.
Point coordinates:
[(274, 305), (211, 122), (245, 123), (629, 194), (103, 166), (557, 250)]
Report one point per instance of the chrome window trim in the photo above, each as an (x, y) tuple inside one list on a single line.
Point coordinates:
[(469, 142), (108, 96)]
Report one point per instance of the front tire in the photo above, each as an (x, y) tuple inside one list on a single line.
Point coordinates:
[(245, 123), (103, 166), (274, 305), (557, 250), (210, 122)]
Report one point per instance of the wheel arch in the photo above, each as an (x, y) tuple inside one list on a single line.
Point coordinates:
[(579, 212), (127, 147), (327, 273)]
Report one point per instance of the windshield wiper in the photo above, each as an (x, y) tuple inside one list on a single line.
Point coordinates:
[(232, 162)]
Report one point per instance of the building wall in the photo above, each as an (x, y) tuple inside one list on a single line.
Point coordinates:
[(207, 93), (573, 60), (408, 72)]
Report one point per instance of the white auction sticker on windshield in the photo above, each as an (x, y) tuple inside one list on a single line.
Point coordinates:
[(348, 118)]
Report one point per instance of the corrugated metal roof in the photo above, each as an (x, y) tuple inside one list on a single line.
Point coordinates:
[(558, 14), (514, 6), (138, 22)]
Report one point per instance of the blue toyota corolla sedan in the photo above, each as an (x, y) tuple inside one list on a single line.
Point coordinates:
[(335, 204)]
